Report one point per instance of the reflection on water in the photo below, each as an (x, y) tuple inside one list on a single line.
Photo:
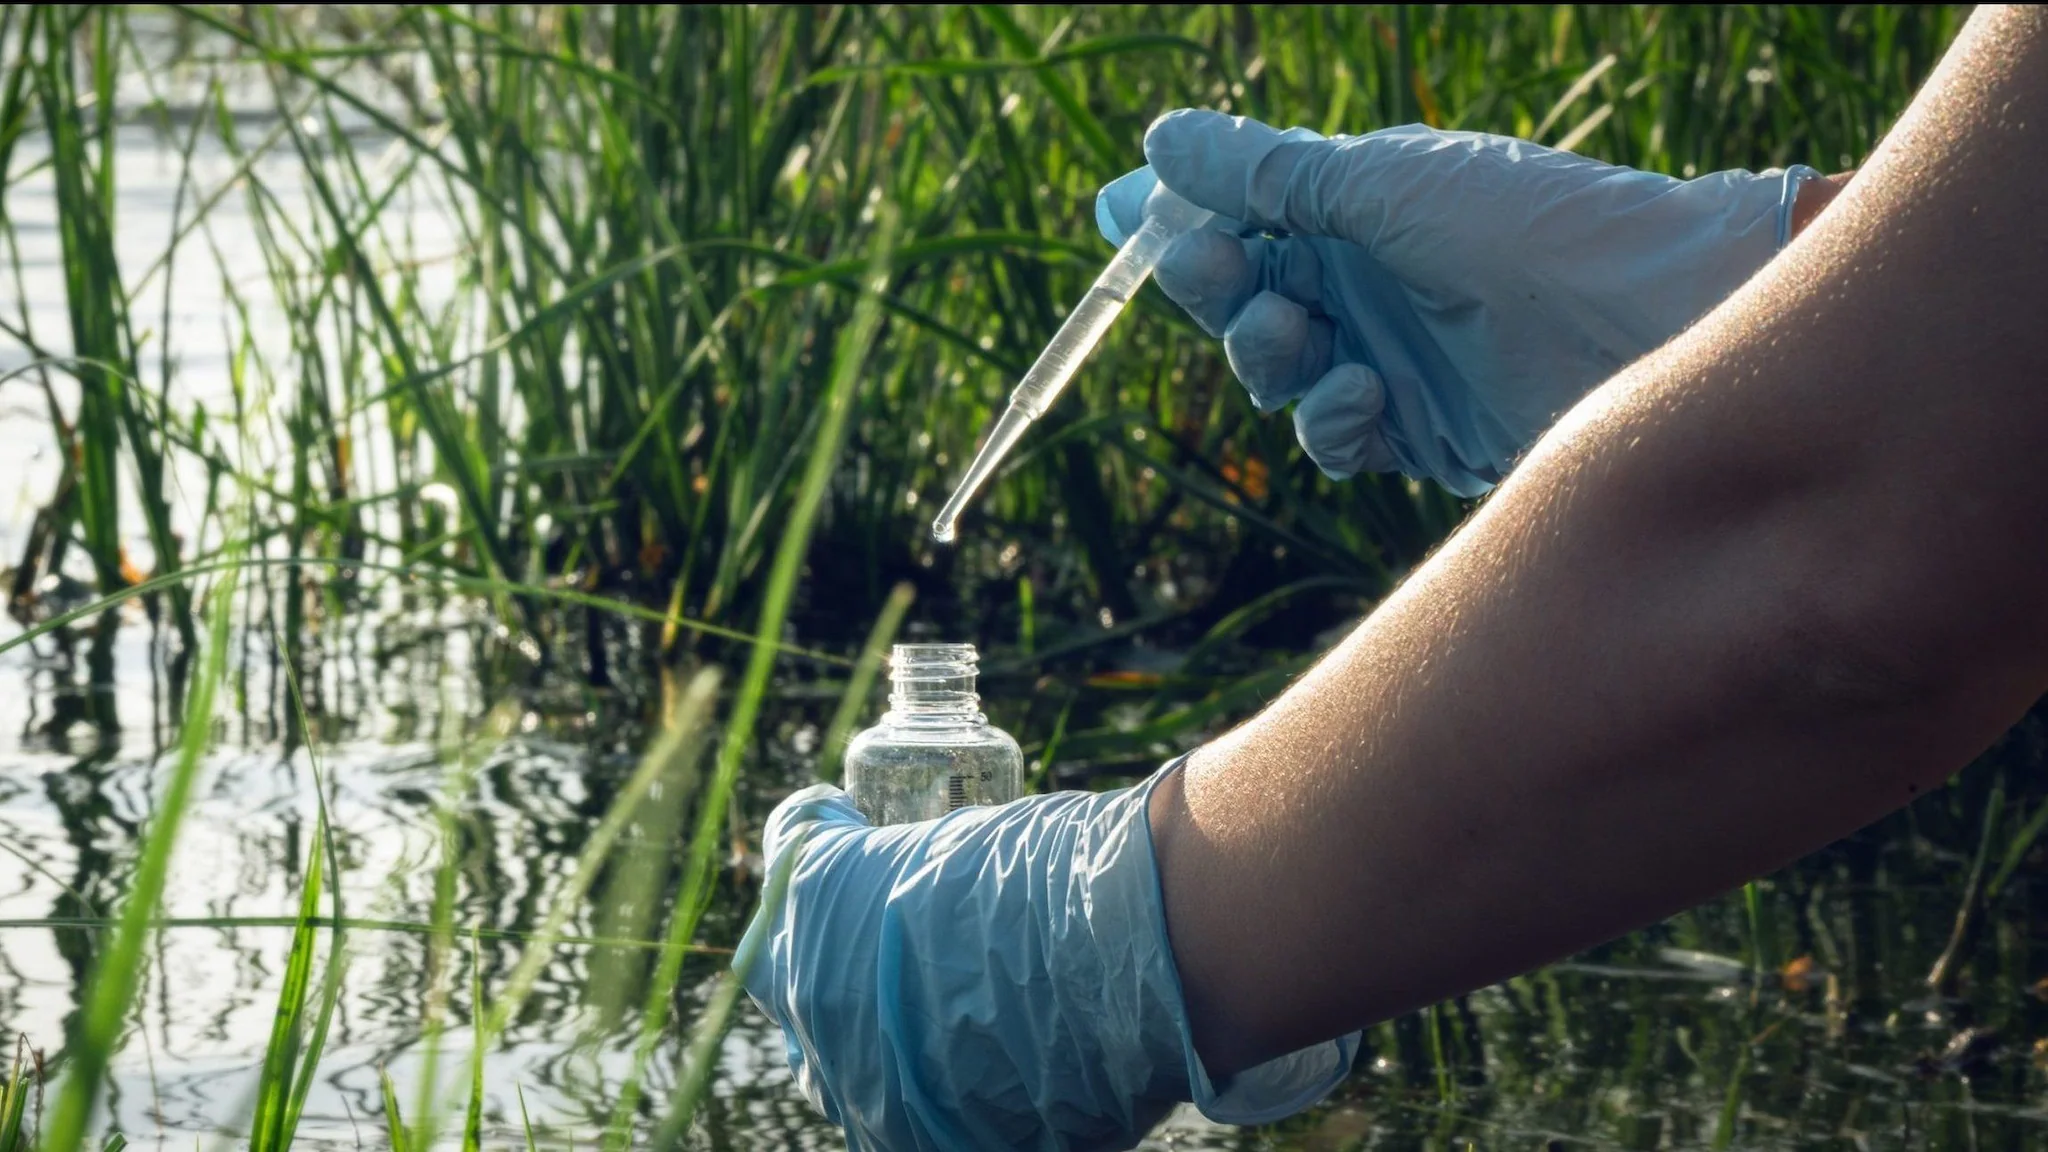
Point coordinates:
[(78, 779)]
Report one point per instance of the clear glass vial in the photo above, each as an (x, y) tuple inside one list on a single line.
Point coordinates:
[(933, 750)]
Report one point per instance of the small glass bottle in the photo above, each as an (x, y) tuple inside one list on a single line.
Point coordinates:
[(933, 750)]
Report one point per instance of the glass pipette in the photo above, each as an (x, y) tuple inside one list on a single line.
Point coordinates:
[(1167, 216)]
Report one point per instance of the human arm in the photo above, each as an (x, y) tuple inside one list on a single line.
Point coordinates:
[(1752, 593), (1749, 595)]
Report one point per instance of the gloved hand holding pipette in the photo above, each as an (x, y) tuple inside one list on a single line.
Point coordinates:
[(1432, 301)]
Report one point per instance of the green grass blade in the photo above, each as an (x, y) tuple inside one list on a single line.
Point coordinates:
[(2016, 852), (337, 956), (473, 1121), (114, 979), (525, 1121), (280, 1057), (701, 1059), (330, 996), (640, 870), (14, 1101), (850, 361), (421, 572), (1116, 44), (460, 777), (1084, 123), (394, 1121), (677, 747), (1759, 941)]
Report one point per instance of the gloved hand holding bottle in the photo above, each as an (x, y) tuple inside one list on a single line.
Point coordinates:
[(1432, 301), (975, 974), (997, 978)]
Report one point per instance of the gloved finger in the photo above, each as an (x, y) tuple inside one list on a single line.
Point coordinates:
[(1294, 181), (1338, 423), (1277, 348), (1212, 275), (816, 807), (1120, 205)]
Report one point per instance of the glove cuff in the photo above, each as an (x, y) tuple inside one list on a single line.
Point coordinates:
[(1259, 1095), (1788, 198)]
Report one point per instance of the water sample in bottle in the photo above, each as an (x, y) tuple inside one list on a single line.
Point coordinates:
[(933, 751)]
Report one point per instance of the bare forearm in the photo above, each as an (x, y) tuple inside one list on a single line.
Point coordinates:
[(1750, 595)]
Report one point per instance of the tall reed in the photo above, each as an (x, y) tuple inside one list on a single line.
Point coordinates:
[(114, 979)]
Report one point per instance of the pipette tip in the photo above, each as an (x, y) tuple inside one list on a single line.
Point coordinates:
[(942, 531)]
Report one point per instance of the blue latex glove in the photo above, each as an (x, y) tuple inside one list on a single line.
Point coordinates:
[(1432, 301), (997, 978)]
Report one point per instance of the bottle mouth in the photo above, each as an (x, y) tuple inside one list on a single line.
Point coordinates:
[(918, 663), (933, 678), (916, 654)]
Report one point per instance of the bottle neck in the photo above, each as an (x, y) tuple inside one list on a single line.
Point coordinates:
[(933, 684)]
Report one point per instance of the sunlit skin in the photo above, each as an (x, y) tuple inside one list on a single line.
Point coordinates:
[(1756, 591)]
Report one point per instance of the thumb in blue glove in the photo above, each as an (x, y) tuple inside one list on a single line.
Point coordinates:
[(997, 978), (1432, 301)]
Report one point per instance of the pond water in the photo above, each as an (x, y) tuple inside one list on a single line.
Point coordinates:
[(81, 770), (1664, 1039), (1808, 1025)]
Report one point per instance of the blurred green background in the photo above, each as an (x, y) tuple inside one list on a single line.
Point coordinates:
[(478, 379)]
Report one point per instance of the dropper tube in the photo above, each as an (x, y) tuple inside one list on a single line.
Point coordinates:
[(1167, 217)]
